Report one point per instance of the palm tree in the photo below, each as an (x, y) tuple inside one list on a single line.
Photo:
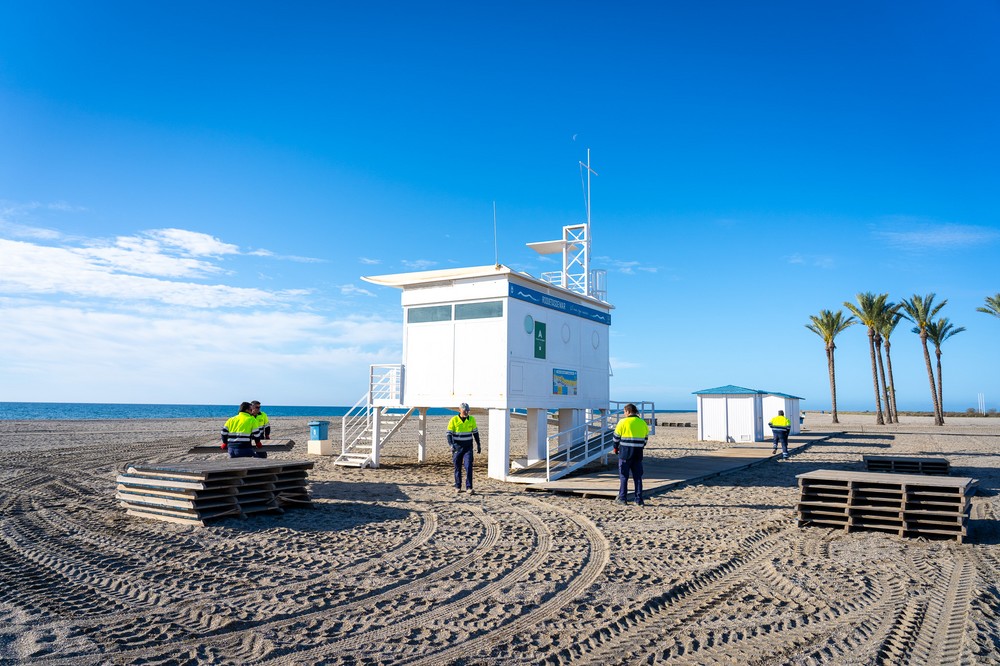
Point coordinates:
[(937, 332), (992, 306), (921, 311), (827, 326), (868, 310), (888, 310), (888, 326)]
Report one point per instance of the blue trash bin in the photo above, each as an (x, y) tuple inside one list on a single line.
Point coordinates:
[(318, 430)]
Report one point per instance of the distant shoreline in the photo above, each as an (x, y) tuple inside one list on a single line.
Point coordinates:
[(908, 413), (85, 411)]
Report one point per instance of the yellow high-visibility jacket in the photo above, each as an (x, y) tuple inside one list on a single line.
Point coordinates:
[(239, 430), (462, 431), (631, 431)]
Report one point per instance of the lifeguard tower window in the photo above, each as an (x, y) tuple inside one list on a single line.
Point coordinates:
[(479, 310), (429, 313)]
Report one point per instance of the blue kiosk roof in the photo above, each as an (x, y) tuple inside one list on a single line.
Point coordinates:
[(730, 389)]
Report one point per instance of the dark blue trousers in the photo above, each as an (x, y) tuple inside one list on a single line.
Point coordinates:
[(245, 452), (630, 462), (462, 457), (781, 437)]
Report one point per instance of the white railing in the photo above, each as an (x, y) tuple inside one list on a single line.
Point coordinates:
[(386, 385), (599, 284), (578, 446), (355, 423), (358, 426), (647, 412), (553, 277)]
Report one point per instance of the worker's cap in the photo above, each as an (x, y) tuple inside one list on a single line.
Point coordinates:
[(464, 407)]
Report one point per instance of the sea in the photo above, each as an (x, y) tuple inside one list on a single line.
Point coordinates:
[(75, 411)]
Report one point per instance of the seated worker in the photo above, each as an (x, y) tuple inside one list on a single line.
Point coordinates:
[(263, 422), (240, 433)]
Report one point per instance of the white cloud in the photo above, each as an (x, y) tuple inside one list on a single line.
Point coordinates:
[(818, 261), (192, 243), (92, 273), (419, 264), (924, 235), (79, 353), (624, 267), (352, 290), (620, 364), (369, 262), (23, 231)]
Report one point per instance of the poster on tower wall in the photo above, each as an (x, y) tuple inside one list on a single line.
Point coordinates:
[(564, 382)]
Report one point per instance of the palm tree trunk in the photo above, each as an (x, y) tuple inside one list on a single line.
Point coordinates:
[(930, 377), (940, 386), (881, 372), (878, 399), (833, 381), (892, 382)]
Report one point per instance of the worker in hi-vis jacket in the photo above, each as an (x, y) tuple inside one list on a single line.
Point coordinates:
[(630, 438), (780, 426), (462, 432)]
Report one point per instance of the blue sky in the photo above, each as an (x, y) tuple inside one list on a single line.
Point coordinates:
[(190, 192)]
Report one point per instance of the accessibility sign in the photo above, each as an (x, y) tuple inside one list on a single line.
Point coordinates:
[(539, 340)]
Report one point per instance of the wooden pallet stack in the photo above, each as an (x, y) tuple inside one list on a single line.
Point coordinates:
[(903, 504), (195, 492), (905, 465)]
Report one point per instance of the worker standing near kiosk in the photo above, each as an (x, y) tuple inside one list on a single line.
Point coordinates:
[(462, 432), (631, 435)]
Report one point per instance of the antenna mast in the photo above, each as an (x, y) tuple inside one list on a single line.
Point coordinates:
[(589, 237), (496, 252), (575, 249)]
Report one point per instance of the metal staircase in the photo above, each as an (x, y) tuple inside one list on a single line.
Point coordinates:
[(568, 451), (368, 424), (572, 449)]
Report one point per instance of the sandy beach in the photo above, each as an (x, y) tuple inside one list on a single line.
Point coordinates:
[(390, 567)]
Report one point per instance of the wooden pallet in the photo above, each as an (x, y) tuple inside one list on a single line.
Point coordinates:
[(906, 465), (196, 492), (907, 505), (269, 445)]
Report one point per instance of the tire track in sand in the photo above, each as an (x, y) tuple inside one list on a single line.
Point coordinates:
[(600, 554)]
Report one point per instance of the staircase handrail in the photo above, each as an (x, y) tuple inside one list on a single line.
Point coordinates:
[(646, 408), (385, 383), (592, 434), (355, 422)]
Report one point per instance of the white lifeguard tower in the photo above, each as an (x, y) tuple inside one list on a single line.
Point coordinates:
[(509, 343)]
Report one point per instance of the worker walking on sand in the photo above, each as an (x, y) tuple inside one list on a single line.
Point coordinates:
[(462, 432), (631, 435), (780, 426), (240, 433)]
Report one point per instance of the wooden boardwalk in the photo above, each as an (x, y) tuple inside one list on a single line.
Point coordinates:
[(660, 475)]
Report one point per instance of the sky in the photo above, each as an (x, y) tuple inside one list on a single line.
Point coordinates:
[(191, 192)]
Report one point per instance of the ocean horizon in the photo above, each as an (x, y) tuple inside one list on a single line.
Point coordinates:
[(71, 411)]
